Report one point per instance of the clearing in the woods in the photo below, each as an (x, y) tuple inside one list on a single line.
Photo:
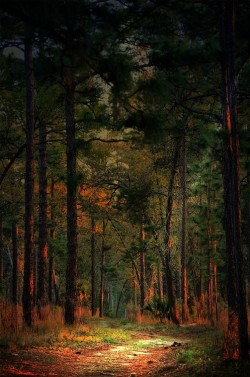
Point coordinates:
[(107, 348)]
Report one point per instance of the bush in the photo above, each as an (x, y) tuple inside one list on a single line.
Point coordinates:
[(159, 308)]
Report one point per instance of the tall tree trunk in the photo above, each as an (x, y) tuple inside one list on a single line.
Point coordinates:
[(52, 236), (42, 241), (142, 272), (35, 277), (1, 253), (50, 284), (71, 269), (184, 288), (167, 257), (248, 233), (159, 282), (210, 303), (210, 290), (15, 264), (102, 267), (28, 288), (248, 227), (134, 293), (215, 285), (53, 294), (236, 288), (93, 266)]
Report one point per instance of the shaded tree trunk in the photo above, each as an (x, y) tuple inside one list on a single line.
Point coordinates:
[(51, 284), (142, 272), (1, 253), (71, 269), (53, 293), (35, 277), (15, 264), (210, 304), (93, 266), (159, 282), (102, 273), (248, 233), (134, 293), (167, 257), (42, 241), (28, 288), (237, 311), (215, 285), (184, 288)]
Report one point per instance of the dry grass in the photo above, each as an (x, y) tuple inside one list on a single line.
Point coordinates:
[(14, 332), (49, 328)]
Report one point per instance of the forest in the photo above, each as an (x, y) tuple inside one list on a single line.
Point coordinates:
[(124, 169)]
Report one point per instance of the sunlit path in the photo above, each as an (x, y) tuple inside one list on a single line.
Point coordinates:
[(143, 354)]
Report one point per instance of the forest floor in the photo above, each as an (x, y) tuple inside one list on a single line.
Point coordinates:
[(139, 352)]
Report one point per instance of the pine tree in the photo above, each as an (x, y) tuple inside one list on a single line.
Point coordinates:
[(236, 285), (28, 288)]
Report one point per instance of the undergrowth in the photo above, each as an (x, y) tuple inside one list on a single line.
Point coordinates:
[(200, 354)]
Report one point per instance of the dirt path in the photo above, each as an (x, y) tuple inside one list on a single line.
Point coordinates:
[(148, 355)]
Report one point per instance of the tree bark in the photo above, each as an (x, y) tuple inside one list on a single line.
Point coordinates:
[(210, 303), (159, 282), (236, 288), (1, 253), (167, 257), (15, 264), (102, 274), (71, 269), (42, 298), (28, 288), (52, 236), (215, 285), (134, 293), (93, 266), (248, 233), (184, 288), (142, 272)]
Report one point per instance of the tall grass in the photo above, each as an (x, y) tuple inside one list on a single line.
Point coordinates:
[(13, 332)]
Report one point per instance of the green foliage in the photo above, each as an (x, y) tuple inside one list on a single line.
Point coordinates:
[(151, 123), (117, 69), (159, 308)]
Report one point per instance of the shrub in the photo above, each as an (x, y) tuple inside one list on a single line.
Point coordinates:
[(159, 308)]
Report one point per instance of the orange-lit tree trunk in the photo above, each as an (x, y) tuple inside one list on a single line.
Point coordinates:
[(15, 264), (184, 288), (142, 272), (42, 256), (93, 266), (53, 293), (52, 236), (71, 268), (237, 312), (28, 289), (167, 256), (210, 290)]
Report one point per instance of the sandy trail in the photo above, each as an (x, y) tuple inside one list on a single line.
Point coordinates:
[(148, 355)]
